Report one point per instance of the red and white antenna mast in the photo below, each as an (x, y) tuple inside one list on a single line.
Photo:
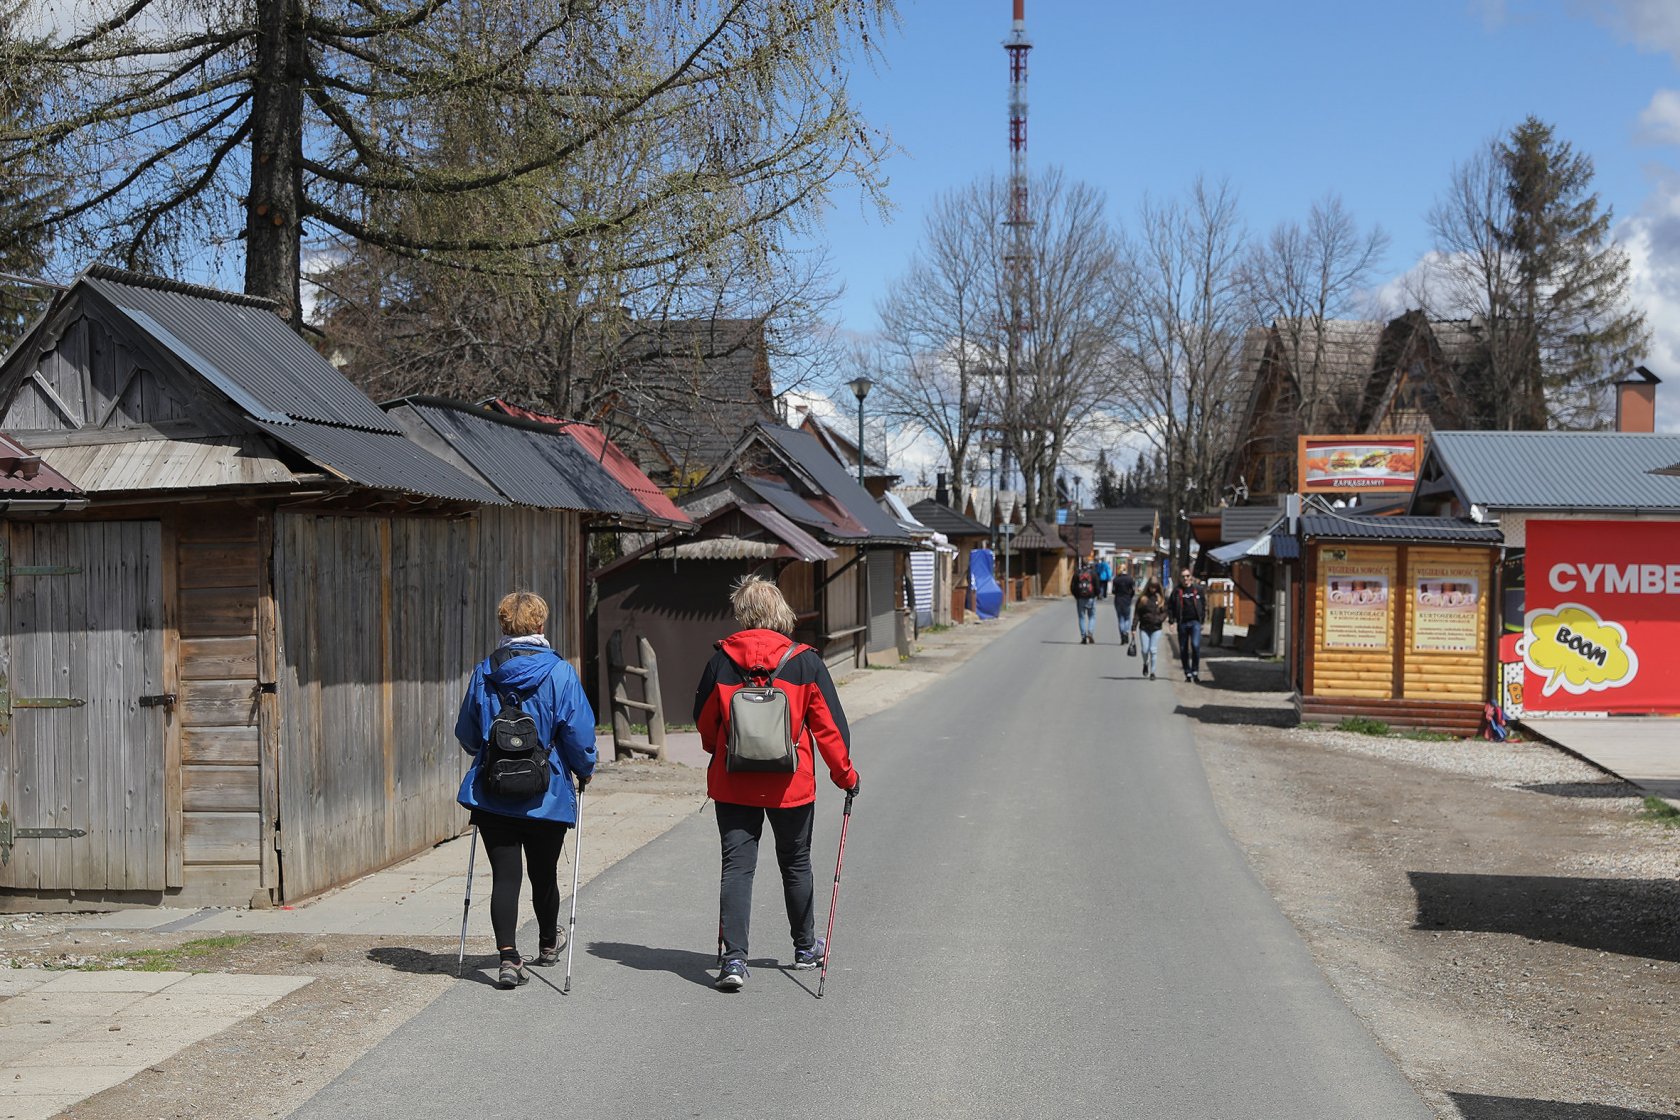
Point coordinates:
[(1018, 251)]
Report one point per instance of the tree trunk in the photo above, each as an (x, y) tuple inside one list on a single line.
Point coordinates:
[(273, 217)]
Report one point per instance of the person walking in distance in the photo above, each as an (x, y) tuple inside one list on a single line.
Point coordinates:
[(531, 732), (1104, 573), (1148, 616), (1125, 590), (762, 654), (1187, 606), (1085, 602)]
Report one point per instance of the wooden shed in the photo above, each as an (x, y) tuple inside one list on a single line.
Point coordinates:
[(1394, 620), (234, 675)]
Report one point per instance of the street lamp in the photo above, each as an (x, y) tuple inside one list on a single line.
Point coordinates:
[(860, 389)]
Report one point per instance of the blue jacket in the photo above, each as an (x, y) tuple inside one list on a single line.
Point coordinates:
[(549, 692)]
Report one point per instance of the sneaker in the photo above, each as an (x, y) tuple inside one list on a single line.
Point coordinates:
[(1151, 674), (511, 975), (734, 975), (804, 959), (549, 955)]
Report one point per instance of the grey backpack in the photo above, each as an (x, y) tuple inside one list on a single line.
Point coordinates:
[(760, 724)]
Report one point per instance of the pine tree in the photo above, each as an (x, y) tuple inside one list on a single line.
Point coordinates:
[(1528, 255)]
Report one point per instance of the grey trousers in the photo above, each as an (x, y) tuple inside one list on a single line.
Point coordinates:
[(739, 829)]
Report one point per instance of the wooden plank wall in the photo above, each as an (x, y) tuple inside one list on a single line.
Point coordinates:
[(219, 575), (1447, 676), (842, 606), (380, 621), (1354, 672), (98, 378), (90, 630)]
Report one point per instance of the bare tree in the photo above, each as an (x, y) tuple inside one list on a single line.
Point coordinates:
[(1302, 278), (943, 359), (279, 127), (1185, 310), (1523, 248)]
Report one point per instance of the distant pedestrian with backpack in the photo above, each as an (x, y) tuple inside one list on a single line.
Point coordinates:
[(1085, 603), (765, 707), (531, 732), (1149, 616), (1104, 574), (1125, 590), (1187, 606)]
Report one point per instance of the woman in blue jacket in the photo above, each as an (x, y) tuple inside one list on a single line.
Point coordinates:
[(530, 674)]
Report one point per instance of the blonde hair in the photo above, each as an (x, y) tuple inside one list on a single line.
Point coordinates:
[(759, 605), (521, 613)]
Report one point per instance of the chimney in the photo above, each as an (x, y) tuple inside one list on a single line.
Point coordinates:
[(1636, 401), (941, 489)]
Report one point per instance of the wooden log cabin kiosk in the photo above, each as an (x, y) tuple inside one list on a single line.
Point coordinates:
[(233, 677), (1393, 620)]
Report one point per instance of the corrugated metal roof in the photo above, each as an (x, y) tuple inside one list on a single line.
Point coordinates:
[(381, 461), (1242, 522), (944, 519), (611, 456), (795, 508), (1343, 527), (800, 544), (1559, 470), (239, 345), (169, 464), (529, 463), (1129, 527), (24, 473), (804, 450)]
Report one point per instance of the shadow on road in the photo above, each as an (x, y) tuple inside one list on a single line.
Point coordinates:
[(1474, 1106), (1241, 713), (1608, 789), (1627, 916), (691, 966), (423, 963)]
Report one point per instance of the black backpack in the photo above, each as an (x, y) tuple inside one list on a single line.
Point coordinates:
[(515, 766), (1084, 586)]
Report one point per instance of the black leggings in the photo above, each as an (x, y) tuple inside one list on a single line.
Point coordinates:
[(505, 838)]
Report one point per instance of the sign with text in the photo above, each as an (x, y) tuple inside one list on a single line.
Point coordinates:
[(1355, 606), (1601, 617), (1364, 464), (1445, 598)]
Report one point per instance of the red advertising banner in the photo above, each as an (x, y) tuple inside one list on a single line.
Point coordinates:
[(1381, 464), (1601, 617)]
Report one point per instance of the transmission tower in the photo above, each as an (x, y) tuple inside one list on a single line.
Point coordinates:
[(1018, 251)]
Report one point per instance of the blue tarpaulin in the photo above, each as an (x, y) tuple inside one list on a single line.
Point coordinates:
[(988, 596)]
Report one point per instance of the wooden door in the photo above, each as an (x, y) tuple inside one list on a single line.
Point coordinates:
[(81, 646)]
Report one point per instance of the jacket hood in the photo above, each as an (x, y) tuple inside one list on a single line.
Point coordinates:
[(754, 648), (521, 674)]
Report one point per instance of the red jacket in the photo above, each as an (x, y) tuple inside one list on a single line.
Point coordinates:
[(812, 705)]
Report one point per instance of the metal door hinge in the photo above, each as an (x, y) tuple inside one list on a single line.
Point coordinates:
[(10, 834)]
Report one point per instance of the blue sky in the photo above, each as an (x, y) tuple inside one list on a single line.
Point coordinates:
[(1372, 101)]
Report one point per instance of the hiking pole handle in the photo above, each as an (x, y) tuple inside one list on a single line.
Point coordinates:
[(848, 810)]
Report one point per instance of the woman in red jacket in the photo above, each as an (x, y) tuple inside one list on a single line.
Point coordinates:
[(745, 798)]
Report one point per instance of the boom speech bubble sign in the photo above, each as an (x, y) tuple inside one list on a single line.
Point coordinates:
[(1575, 650)]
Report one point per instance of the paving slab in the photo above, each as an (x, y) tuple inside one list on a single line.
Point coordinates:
[(65, 1036), (1644, 750)]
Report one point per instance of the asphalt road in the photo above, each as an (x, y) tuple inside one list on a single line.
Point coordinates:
[(1041, 916)]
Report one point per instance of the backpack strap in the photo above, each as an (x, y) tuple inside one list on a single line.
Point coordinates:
[(745, 671), (502, 657)]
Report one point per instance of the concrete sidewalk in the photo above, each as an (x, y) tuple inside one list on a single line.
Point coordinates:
[(1643, 750)]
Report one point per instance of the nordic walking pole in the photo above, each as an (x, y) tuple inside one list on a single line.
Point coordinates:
[(577, 863), (466, 903), (834, 899)]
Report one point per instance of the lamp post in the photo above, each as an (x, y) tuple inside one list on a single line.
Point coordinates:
[(860, 389), (991, 468)]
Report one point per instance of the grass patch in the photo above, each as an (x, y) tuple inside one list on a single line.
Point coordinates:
[(1363, 725), (1660, 812), (1423, 735), (935, 628), (182, 958)]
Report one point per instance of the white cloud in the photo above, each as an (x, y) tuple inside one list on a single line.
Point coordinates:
[(1652, 26), (1660, 121), (1652, 241)]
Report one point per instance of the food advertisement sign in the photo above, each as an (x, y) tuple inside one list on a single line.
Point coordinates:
[(1355, 607), (1444, 609), (1601, 617), (1376, 464)]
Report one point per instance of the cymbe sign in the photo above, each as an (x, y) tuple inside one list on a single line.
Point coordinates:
[(1601, 622)]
